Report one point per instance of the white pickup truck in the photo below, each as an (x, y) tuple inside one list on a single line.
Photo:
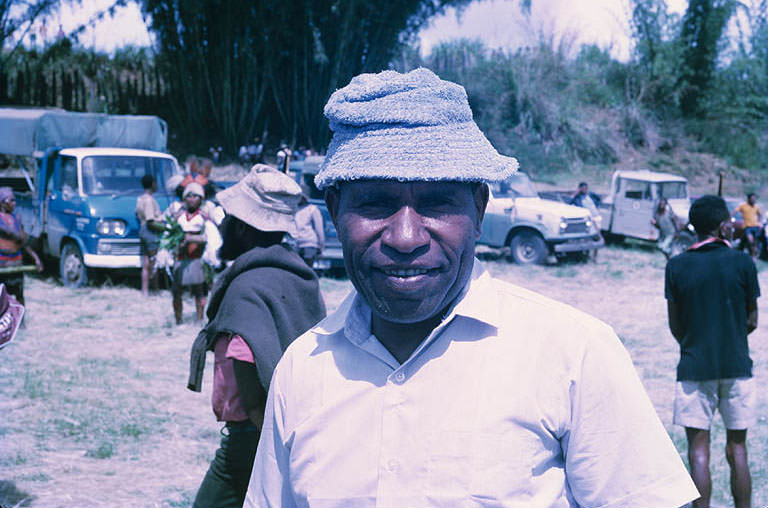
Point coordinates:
[(534, 228), (627, 210)]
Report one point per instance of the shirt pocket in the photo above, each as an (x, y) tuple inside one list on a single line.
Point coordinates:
[(483, 467), (502, 467)]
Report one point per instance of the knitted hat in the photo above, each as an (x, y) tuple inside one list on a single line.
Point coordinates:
[(407, 127), (5, 193), (265, 199), (193, 188)]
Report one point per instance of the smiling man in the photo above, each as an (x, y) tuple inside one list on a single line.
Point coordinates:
[(435, 384)]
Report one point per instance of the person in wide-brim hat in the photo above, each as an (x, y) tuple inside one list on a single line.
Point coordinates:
[(266, 298)]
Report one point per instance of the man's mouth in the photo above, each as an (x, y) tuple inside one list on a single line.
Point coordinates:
[(405, 272)]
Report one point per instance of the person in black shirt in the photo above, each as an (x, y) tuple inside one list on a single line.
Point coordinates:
[(711, 293)]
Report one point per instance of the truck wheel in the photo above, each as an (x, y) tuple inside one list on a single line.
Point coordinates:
[(72, 269), (528, 247)]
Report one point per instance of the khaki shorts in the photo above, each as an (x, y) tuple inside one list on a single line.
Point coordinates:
[(736, 399)]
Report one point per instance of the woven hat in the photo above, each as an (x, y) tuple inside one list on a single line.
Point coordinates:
[(193, 188), (407, 127), (265, 199)]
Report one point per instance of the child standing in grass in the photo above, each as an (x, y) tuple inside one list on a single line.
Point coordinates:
[(188, 271)]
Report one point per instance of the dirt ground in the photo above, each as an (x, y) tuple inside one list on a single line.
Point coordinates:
[(96, 412)]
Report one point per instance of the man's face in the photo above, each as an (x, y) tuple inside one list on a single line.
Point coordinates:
[(583, 189), (408, 246), (752, 200)]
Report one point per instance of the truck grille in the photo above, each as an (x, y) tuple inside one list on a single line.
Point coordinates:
[(119, 247), (576, 226)]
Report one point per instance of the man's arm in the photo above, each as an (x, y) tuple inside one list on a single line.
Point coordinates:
[(252, 394), (751, 315), (676, 320)]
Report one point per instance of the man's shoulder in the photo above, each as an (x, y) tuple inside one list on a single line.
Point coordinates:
[(517, 305)]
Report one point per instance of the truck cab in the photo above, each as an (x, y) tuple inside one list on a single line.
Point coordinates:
[(628, 209), (85, 213), (81, 175), (533, 228)]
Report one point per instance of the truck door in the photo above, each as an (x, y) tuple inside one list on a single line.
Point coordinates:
[(63, 201), (633, 209)]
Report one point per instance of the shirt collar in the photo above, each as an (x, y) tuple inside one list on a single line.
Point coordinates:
[(710, 241), (354, 314)]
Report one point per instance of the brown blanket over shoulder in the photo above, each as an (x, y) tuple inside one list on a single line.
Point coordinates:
[(268, 296)]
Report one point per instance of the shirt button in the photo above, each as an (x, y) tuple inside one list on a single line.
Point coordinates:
[(393, 465), (400, 377)]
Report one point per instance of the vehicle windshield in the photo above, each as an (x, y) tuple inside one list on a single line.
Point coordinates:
[(516, 186), (121, 174), (672, 190)]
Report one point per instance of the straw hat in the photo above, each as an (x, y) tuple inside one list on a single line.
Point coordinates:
[(265, 199), (407, 127)]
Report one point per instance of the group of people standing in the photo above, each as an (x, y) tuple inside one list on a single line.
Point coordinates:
[(197, 220), (434, 383)]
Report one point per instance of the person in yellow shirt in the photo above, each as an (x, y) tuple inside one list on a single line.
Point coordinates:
[(752, 215)]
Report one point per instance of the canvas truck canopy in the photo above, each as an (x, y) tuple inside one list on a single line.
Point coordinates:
[(30, 132)]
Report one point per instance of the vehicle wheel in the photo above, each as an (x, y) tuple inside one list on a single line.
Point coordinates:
[(528, 247), (682, 243), (72, 269)]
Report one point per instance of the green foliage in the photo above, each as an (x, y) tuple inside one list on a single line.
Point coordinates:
[(245, 69), (172, 235), (702, 28)]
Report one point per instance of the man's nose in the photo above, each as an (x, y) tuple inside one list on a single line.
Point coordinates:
[(405, 232)]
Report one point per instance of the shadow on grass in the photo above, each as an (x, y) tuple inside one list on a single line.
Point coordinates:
[(11, 496)]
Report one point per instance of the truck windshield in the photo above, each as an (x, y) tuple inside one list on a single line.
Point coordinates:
[(516, 186), (111, 174), (672, 190)]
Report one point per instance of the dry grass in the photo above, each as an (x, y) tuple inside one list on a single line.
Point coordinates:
[(96, 411)]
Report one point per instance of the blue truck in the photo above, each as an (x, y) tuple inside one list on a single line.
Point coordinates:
[(77, 179)]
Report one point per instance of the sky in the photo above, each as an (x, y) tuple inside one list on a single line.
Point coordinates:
[(498, 23)]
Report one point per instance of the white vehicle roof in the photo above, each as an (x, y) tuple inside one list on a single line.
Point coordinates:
[(88, 151), (650, 176)]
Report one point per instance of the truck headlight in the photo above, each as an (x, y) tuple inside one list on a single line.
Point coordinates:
[(111, 227), (563, 224)]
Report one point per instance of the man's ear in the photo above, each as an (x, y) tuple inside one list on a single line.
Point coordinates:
[(481, 196), (332, 202)]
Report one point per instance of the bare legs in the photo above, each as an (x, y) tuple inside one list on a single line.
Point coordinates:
[(735, 453), (178, 307), (698, 460), (147, 267)]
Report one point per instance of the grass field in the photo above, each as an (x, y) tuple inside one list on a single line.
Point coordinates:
[(95, 410)]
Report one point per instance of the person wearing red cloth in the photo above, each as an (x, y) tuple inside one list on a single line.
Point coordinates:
[(264, 300)]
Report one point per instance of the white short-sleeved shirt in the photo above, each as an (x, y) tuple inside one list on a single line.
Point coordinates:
[(515, 400)]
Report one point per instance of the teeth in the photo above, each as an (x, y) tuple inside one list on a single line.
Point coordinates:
[(406, 273)]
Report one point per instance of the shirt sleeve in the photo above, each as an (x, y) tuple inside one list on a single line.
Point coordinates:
[(269, 486), (617, 452), (753, 286), (668, 284), (238, 350)]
